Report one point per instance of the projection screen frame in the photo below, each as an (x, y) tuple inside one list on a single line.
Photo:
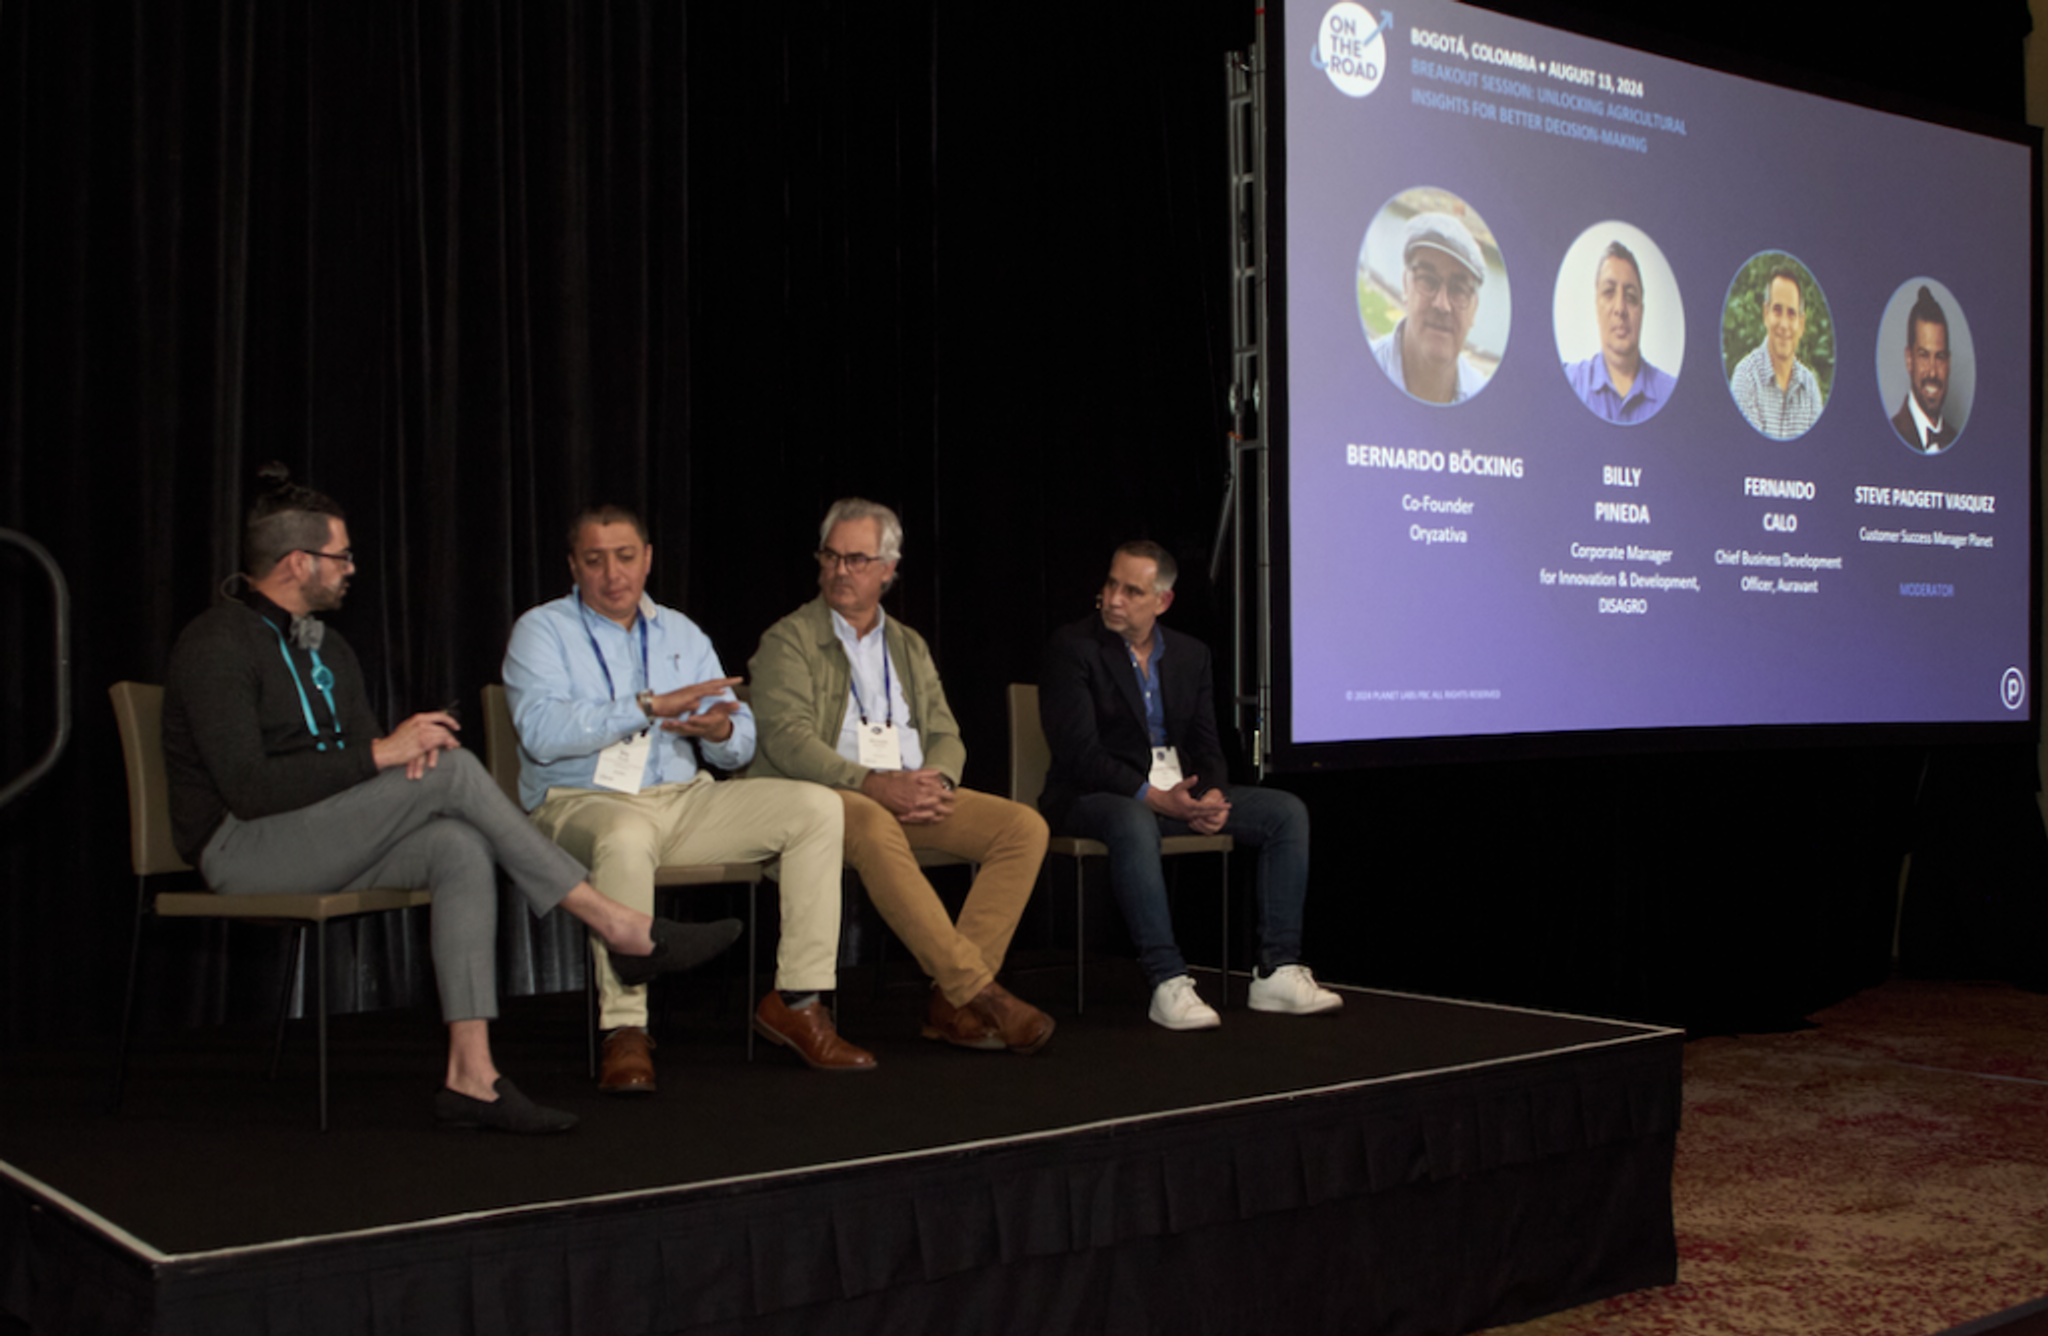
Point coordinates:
[(1260, 374)]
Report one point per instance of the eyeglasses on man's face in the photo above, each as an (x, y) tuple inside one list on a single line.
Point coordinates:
[(852, 562), (347, 556), (1429, 283)]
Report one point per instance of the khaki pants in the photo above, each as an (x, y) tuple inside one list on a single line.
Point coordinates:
[(1006, 839), (623, 837)]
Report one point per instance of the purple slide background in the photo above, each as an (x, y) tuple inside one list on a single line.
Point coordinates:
[(1759, 168)]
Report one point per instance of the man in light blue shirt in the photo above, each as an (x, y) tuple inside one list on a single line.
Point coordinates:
[(609, 690), (1618, 384), (1442, 272)]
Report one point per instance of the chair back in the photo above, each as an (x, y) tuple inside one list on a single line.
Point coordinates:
[(139, 711), (1030, 757), (501, 743)]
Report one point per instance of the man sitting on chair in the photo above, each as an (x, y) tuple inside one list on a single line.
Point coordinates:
[(280, 783), (850, 698), (609, 690), (1130, 719)]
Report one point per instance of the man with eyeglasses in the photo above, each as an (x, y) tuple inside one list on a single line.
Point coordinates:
[(849, 697), (281, 783), (1442, 271), (611, 694)]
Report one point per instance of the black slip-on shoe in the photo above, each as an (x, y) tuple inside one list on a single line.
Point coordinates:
[(510, 1112), (677, 947)]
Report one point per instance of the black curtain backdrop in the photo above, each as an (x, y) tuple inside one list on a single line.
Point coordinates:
[(466, 265)]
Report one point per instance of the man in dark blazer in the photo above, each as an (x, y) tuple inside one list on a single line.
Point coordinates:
[(1922, 421), (1129, 713)]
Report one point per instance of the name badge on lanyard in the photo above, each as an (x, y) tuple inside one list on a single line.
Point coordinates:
[(877, 743), (879, 748), (1165, 768), (620, 766)]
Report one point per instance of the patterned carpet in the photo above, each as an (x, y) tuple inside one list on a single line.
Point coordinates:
[(1884, 1174)]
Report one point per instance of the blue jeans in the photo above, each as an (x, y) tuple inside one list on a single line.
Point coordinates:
[(1274, 823)]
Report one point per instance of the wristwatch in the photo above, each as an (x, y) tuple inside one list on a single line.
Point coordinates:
[(645, 700)]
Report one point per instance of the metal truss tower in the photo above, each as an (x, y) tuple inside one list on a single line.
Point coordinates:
[(1245, 502)]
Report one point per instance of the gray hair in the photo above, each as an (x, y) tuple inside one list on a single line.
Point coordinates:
[(1790, 275), (858, 508), (1616, 251), (1165, 569)]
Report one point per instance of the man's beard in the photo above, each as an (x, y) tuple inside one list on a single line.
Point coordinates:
[(325, 597)]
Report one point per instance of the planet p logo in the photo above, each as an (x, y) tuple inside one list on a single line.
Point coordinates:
[(1351, 47)]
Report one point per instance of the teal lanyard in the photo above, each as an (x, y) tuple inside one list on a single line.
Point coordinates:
[(323, 682)]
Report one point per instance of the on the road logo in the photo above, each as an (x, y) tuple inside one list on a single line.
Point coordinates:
[(1351, 47)]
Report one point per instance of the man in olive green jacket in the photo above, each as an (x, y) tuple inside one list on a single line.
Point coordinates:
[(845, 696)]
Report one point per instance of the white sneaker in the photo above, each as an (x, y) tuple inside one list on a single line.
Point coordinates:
[(1177, 1006), (1291, 989)]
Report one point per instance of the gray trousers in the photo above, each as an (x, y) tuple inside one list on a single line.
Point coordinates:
[(450, 830)]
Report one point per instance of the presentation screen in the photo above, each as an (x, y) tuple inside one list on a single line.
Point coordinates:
[(1614, 398)]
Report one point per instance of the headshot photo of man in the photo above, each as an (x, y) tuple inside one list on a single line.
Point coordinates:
[(1446, 333), (1778, 343), (1931, 407), (1604, 357)]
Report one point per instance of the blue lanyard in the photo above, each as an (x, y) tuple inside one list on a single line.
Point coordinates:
[(323, 681), (888, 700), (645, 681), (1147, 674)]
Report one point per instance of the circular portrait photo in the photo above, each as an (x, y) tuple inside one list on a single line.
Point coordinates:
[(1777, 345), (1620, 324), (1926, 365), (1433, 296)]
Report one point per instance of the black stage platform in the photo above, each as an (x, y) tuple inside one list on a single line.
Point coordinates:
[(1410, 1165)]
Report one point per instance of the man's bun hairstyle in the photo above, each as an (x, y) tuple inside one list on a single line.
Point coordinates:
[(284, 519)]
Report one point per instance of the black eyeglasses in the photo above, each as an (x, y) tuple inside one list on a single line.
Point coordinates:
[(852, 561), (347, 555)]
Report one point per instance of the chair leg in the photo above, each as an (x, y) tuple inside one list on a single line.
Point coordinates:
[(1080, 938), (320, 972), (1052, 913), (1225, 856), (128, 1001), (753, 922), (590, 1016), (855, 931), (294, 969)]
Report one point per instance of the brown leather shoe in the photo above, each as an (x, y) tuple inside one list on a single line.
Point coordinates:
[(963, 1027), (1021, 1027), (626, 1063), (809, 1031)]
